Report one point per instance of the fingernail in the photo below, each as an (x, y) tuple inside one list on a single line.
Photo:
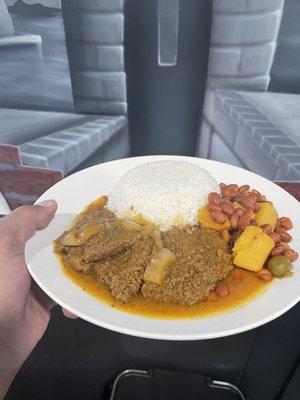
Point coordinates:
[(47, 203)]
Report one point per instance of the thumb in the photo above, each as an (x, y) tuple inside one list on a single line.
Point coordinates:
[(21, 224)]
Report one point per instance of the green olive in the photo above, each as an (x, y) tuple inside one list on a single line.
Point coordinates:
[(279, 265)]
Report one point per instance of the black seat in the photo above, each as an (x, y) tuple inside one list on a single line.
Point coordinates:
[(77, 360)]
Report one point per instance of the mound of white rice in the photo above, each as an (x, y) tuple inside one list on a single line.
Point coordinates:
[(167, 193)]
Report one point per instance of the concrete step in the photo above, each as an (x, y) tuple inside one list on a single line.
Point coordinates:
[(64, 150)]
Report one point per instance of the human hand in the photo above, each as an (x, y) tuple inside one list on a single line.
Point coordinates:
[(24, 308)]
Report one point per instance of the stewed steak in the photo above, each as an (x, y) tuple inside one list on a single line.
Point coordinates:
[(202, 259), (100, 244), (124, 272), (102, 235), (112, 240)]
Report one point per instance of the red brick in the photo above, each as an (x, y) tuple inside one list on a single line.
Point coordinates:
[(292, 187), (9, 154), (13, 204), (26, 181), (23, 181)]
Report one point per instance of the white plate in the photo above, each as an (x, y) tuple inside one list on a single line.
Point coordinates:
[(76, 191)]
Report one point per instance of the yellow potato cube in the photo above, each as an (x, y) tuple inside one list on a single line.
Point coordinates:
[(249, 234), (206, 220), (266, 215), (254, 255)]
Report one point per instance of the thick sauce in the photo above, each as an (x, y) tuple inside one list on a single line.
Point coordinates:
[(241, 290)]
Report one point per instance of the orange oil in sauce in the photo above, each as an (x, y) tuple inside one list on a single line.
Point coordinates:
[(241, 292)]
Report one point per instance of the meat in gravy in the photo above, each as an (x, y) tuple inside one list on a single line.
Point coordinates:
[(123, 273), (202, 260), (100, 244)]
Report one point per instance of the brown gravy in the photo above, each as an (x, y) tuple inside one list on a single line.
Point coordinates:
[(241, 291)]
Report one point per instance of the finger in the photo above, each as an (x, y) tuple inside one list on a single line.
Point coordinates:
[(47, 302), (68, 314), (21, 224)]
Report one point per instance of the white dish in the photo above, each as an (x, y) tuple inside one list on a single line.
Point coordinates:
[(76, 191)]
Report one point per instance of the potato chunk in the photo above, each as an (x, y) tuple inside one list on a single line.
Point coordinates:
[(252, 249), (206, 220), (267, 215), (249, 234)]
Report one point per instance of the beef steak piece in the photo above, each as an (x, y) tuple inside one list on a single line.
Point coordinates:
[(123, 273), (202, 259), (112, 239)]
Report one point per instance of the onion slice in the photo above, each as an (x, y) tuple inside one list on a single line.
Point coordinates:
[(157, 268)]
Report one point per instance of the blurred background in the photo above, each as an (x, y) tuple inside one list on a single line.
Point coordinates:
[(84, 82), (88, 81)]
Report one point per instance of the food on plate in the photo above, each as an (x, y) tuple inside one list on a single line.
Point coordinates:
[(252, 249), (246, 209), (201, 260), (279, 266), (266, 215), (206, 219), (170, 237), (165, 193), (245, 239), (158, 266)]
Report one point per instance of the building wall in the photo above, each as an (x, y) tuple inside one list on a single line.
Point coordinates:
[(285, 72), (243, 43), (94, 37), (6, 25)]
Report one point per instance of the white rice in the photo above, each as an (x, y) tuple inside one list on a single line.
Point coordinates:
[(167, 193)]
